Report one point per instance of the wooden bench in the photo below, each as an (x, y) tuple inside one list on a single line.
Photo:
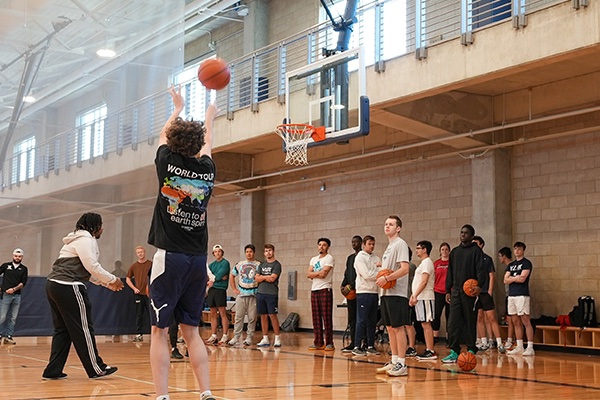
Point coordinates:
[(571, 336)]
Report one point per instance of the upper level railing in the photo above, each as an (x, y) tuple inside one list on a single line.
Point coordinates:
[(386, 28)]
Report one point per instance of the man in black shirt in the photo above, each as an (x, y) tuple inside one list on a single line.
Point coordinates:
[(349, 284), (15, 277)]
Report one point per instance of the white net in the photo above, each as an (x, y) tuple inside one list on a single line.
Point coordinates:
[(295, 137)]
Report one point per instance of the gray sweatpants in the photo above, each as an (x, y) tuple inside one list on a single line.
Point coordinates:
[(245, 305)]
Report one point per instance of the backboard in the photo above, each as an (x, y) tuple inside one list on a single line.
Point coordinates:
[(330, 93)]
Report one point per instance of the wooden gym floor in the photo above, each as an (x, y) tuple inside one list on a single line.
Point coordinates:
[(292, 371)]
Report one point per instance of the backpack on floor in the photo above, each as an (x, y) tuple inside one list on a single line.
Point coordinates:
[(291, 323)]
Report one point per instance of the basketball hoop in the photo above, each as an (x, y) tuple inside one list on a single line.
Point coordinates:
[(295, 137)]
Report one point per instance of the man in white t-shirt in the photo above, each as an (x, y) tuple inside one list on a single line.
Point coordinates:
[(423, 297), (320, 272), (394, 301)]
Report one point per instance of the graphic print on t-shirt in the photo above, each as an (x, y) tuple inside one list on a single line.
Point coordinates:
[(317, 267), (247, 272), (187, 200)]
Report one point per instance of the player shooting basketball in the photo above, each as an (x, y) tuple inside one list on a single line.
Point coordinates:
[(180, 234)]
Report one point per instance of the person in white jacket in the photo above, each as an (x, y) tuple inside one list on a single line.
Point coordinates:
[(71, 309), (367, 266)]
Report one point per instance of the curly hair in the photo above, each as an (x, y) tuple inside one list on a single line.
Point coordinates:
[(186, 137), (90, 222)]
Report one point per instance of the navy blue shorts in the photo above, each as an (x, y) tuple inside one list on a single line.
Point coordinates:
[(177, 288), (266, 303)]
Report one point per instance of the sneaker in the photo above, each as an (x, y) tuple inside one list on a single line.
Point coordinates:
[(263, 343), (450, 358), (315, 347), (357, 351), (411, 352), (107, 371), (223, 340), (372, 351), (509, 345), (398, 370), (247, 342), (233, 341), (348, 349), (212, 339), (207, 397), (9, 340), (483, 347), (176, 354), (501, 349), (138, 338), (277, 342), (330, 347), (529, 351), (55, 378), (427, 355), (516, 351), (180, 340), (385, 368)]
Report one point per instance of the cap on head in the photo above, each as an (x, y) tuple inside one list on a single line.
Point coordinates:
[(217, 247), (17, 252)]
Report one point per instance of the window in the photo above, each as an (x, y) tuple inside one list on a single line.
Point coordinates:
[(394, 26), (194, 94), (89, 141), (24, 160)]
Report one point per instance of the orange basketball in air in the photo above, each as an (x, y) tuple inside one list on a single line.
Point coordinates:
[(470, 287), (390, 283), (214, 73), (466, 361)]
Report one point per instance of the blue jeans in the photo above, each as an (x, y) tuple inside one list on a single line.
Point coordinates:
[(9, 308)]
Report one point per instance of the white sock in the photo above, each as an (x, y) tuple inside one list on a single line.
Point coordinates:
[(519, 343), (509, 340), (402, 361), (530, 345), (499, 341), (394, 359), (484, 341), (266, 337), (276, 337)]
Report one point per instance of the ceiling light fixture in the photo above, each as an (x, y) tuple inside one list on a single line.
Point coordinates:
[(29, 99), (106, 52)]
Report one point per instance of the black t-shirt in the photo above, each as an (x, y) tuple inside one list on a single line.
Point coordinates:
[(516, 268), (179, 223)]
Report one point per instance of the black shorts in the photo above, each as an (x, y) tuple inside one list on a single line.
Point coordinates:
[(266, 303), (486, 302), (395, 311), (216, 297)]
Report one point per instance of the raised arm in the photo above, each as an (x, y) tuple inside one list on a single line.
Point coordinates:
[(179, 103), (211, 113)]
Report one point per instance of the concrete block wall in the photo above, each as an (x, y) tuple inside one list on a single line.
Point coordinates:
[(433, 201), (556, 194)]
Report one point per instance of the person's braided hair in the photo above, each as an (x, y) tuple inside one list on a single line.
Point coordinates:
[(90, 222)]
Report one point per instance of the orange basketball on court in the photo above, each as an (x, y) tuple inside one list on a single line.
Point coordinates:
[(390, 283), (466, 361), (214, 73), (470, 287)]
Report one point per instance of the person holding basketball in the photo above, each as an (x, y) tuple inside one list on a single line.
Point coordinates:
[(394, 301), (178, 279), (349, 284), (466, 262)]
